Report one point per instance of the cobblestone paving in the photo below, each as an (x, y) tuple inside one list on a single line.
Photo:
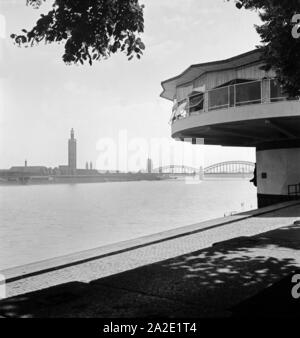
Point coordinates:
[(129, 260)]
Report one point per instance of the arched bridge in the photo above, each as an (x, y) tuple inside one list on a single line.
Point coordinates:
[(231, 167), (234, 168)]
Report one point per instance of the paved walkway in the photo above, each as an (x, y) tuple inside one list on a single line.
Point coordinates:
[(148, 281)]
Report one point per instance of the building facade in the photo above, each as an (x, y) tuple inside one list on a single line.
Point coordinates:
[(31, 170), (234, 102)]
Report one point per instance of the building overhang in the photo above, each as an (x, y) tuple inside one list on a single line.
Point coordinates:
[(193, 72), (247, 126)]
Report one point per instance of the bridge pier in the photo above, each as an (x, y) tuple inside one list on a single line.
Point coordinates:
[(201, 174)]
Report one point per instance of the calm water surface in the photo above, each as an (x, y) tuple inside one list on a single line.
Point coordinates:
[(44, 221)]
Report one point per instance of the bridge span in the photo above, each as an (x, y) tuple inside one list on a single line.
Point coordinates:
[(222, 169)]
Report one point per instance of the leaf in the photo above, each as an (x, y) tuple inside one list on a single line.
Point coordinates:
[(89, 25)]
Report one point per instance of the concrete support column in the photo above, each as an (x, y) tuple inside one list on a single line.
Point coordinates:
[(276, 170)]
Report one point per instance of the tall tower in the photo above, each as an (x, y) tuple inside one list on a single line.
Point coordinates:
[(72, 153), (149, 165)]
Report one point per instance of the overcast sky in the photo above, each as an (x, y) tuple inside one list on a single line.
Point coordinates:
[(41, 98)]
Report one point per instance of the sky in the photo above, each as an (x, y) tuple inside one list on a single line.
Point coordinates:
[(114, 106)]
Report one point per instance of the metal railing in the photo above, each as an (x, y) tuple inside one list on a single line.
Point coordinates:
[(294, 190), (235, 95)]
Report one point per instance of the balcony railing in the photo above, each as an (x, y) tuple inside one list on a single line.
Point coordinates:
[(294, 190), (236, 95)]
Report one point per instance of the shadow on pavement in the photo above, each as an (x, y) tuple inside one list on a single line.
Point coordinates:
[(230, 278), (275, 301)]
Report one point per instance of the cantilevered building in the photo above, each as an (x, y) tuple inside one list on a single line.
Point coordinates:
[(72, 159), (234, 102)]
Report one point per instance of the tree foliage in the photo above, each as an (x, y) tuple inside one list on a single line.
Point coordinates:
[(94, 29), (280, 50), (90, 29)]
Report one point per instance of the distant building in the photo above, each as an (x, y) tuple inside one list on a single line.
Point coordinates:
[(64, 170), (72, 153), (86, 172), (71, 168), (33, 170), (149, 166)]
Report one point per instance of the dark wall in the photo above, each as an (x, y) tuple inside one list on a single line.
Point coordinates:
[(266, 200)]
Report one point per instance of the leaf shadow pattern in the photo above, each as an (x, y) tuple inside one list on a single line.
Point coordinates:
[(208, 283)]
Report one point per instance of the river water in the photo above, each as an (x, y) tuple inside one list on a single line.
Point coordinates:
[(45, 221)]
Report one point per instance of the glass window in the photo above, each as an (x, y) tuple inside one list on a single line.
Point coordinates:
[(196, 103), (218, 98), (248, 93)]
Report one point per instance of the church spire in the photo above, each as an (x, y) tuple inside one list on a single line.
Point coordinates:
[(72, 134)]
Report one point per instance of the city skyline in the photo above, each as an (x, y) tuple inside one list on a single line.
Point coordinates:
[(165, 154)]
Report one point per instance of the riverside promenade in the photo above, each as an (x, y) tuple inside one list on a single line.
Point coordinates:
[(203, 270)]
